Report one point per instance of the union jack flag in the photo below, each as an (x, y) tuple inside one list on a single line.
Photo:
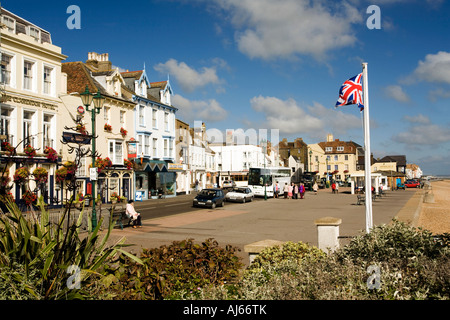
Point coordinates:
[(351, 92)]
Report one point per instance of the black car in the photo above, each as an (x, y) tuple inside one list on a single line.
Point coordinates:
[(210, 198)]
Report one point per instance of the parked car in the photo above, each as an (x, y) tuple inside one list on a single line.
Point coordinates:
[(228, 184), (412, 184), (240, 194), (210, 197)]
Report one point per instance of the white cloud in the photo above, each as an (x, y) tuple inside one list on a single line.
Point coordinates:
[(190, 110), (315, 121), (188, 78), (396, 92), (285, 28), (435, 68), (423, 132)]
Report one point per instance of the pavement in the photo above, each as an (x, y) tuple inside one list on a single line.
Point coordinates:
[(273, 219)]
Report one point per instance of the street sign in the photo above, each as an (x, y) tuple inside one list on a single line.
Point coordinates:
[(93, 174)]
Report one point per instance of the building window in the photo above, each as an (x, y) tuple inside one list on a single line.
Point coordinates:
[(34, 32), (147, 145), (346, 157), (115, 152), (47, 131), (6, 69), (336, 167), (106, 115), (139, 145), (48, 80), (340, 149), (328, 149), (154, 115), (166, 121), (28, 75), (5, 127), (28, 138), (155, 148), (81, 170), (336, 158), (141, 115), (122, 118), (166, 148), (10, 23)]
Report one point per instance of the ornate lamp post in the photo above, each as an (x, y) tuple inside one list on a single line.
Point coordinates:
[(99, 100)]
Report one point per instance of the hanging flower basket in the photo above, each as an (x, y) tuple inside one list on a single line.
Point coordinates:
[(30, 151), (81, 128), (123, 132), (6, 146), (4, 180), (51, 153), (102, 164), (40, 175), (114, 197), (107, 127), (66, 172), (21, 175), (5, 197), (29, 197), (128, 163)]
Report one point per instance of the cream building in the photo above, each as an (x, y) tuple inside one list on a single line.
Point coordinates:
[(116, 115), (30, 105), (334, 158)]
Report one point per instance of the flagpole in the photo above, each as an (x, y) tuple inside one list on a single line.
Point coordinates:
[(367, 162)]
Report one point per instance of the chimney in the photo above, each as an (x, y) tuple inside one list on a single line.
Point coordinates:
[(99, 61), (330, 137)]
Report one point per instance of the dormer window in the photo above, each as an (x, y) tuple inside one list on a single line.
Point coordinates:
[(10, 23), (35, 33), (328, 149), (340, 148)]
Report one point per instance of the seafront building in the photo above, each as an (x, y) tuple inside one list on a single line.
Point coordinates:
[(148, 150), (31, 109)]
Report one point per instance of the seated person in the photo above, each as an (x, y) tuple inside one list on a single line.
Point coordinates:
[(133, 214)]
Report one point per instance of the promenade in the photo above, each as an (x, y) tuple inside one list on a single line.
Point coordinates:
[(275, 219)]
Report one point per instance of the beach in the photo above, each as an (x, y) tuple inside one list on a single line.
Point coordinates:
[(435, 217)]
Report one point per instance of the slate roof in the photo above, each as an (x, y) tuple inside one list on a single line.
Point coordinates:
[(349, 147), (78, 76)]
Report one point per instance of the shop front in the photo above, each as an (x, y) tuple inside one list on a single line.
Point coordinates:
[(153, 180)]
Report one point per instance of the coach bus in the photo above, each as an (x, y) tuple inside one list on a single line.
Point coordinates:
[(262, 180)]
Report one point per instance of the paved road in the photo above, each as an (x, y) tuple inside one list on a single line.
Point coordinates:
[(167, 220)]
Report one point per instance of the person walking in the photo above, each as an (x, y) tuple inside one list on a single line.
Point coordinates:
[(333, 187), (315, 188), (133, 214), (290, 189), (285, 190), (295, 195), (337, 187), (276, 190), (302, 190)]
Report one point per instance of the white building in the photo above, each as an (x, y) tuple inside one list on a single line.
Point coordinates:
[(154, 131), (30, 104), (234, 161)]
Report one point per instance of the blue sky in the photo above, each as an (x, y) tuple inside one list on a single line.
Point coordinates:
[(279, 64)]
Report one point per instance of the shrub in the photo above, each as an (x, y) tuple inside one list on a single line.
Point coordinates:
[(169, 271), (287, 251), (413, 264)]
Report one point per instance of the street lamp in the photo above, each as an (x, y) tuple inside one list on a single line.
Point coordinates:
[(99, 100), (310, 155), (264, 175)]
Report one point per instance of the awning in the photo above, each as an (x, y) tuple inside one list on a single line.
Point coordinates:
[(155, 166)]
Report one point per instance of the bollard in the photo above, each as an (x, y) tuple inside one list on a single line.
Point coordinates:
[(328, 233), (255, 248)]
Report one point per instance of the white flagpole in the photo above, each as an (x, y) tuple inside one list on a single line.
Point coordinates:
[(367, 162)]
